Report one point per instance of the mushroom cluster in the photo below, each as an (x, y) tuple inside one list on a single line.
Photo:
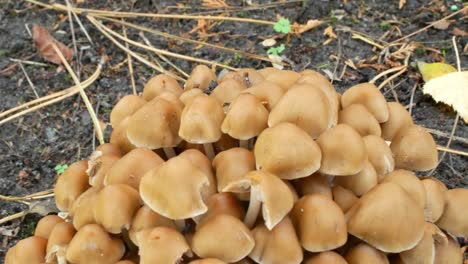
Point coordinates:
[(257, 166)]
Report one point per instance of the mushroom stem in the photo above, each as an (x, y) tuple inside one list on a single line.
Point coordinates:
[(180, 224), (170, 153), (253, 210), (209, 151), (244, 143)]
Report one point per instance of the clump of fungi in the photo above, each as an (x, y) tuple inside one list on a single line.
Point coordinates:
[(272, 166)]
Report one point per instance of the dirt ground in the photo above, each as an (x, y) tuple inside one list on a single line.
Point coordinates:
[(32, 145)]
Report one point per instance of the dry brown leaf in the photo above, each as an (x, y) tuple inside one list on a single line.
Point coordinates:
[(402, 4), (459, 32), (214, 3), (43, 42), (301, 28), (329, 32), (442, 25)]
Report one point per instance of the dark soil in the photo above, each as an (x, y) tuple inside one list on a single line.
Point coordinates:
[(32, 145)]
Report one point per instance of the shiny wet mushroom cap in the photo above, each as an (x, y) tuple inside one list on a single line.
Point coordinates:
[(27, 251), (159, 84)]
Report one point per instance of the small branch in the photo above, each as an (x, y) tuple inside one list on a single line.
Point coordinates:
[(29, 80)]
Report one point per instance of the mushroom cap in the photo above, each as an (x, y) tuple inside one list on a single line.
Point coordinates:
[(285, 78), (305, 106), (379, 155), (279, 245), (201, 120), (130, 168), (207, 261), (155, 125), (231, 165), (343, 197), (448, 253), (414, 149), (454, 219), (358, 117), (329, 229), (361, 182), (245, 118), (435, 199), (188, 95), (114, 207), (364, 253), (98, 168), (276, 197), (246, 76), (69, 185), (200, 77), (58, 241), (146, 218), (424, 251), (228, 90), (93, 245), (287, 151), (326, 257), (219, 235), (119, 137), (409, 182), (223, 203), (397, 228), (175, 189), (315, 183), (82, 209), (125, 107), (27, 251), (45, 226), (398, 118), (368, 95), (106, 149), (268, 92), (161, 245), (159, 84), (343, 151)]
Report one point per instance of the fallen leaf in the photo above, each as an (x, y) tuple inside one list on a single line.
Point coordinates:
[(268, 42), (450, 89), (433, 70), (300, 28), (402, 4), (43, 42), (442, 25), (459, 32), (214, 3), (8, 231), (331, 35)]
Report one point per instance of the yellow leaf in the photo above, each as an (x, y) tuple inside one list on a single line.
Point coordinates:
[(433, 70), (300, 28), (329, 32), (402, 4)]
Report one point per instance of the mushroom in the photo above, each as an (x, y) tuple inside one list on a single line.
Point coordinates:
[(46, 225), (287, 151), (409, 182), (448, 252), (398, 118), (159, 84), (361, 182), (146, 218), (223, 237), (278, 245), (130, 168), (285, 78), (72, 183), (269, 93), (344, 198), (305, 106), (368, 95), (207, 261), (106, 149), (227, 91), (414, 149), (58, 242), (82, 209), (93, 245), (245, 118), (315, 183), (326, 257), (357, 116), (379, 155), (201, 77), (98, 168), (454, 219), (188, 95), (397, 228), (435, 199), (222, 203), (364, 253), (119, 137), (30, 250), (114, 207), (246, 76), (161, 245), (201, 121), (328, 230), (424, 251), (125, 107), (343, 151)]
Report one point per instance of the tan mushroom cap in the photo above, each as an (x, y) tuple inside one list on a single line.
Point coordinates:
[(161, 245), (223, 203), (398, 119), (188, 95), (200, 77), (454, 219), (435, 199), (125, 107), (410, 183), (173, 99), (287, 151), (93, 245), (207, 261), (343, 151), (279, 245), (306, 106), (368, 95), (115, 206), (58, 241), (155, 125), (398, 228), (201, 120), (119, 137), (245, 118), (72, 183), (364, 253), (284, 78), (379, 155), (31, 250), (358, 117), (246, 76), (329, 229), (326, 257), (106, 149), (125, 262), (82, 209), (231, 165), (343, 197), (267, 71), (130, 168), (268, 92), (228, 90), (424, 251), (159, 84), (314, 184), (414, 149), (146, 218), (45, 226), (175, 189), (98, 168), (219, 236), (361, 182), (448, 253)]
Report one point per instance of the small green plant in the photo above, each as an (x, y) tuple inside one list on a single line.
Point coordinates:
[(276, 50), (384, 25), (61, 168), (237, 57), (282, 26)]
